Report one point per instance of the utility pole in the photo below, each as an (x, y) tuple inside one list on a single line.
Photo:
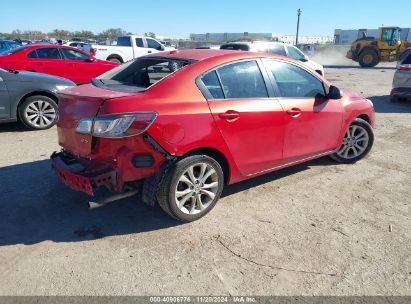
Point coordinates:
[(298, 26)]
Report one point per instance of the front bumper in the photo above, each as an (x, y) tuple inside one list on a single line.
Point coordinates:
[(80, 177)]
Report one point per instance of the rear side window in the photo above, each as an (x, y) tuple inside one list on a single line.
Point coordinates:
[(32, 54), (123, 41), (295, 82), (212, 84), (139, 42), (242, 80), (48, 53)]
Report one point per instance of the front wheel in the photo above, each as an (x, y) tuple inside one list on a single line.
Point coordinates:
[(368, 59), (357, 142), (38, 112), (191, 188)]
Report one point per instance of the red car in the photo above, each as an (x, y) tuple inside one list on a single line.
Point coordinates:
[(178, 126), (58, 60)]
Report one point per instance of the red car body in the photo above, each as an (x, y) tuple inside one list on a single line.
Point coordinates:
[(81, 70), (248, 137)]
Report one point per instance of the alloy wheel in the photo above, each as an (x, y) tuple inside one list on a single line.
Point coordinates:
[(40, 113), (196, 188), (355, 142)]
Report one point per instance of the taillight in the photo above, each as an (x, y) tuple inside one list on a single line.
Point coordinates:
[(93, 51), (406, 67), (116, 126)]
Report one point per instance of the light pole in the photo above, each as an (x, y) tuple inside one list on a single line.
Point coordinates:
[(298, 26)]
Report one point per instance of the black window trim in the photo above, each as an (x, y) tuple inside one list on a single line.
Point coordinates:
[(274, 82), (267, 81)]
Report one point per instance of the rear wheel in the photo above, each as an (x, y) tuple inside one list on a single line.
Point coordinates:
[(38, 112), (114, 59), (368, 59), (357, 142), (191, 188)]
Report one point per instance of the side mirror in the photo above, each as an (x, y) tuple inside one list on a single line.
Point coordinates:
[(90, 59), (334, 93), (305, 59), (162, 48)]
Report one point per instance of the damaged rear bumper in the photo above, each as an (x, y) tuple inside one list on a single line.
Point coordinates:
[(79, 177)]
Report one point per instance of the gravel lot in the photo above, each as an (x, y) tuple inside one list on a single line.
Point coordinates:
[(314, 229)]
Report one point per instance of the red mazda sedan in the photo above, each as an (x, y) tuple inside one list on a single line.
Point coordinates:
[(178, 126), (58, 60)]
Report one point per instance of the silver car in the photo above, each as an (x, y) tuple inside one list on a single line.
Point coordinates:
[(278, 48), (401, 85), (30, 98)]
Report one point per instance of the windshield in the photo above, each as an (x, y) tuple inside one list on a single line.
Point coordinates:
[(296, 54), (9, 52), (138, 75)]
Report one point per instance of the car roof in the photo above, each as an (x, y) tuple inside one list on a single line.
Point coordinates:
[(203, 54), (255, 42)]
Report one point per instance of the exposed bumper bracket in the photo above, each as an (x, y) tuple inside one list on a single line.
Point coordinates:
[(102, 201)]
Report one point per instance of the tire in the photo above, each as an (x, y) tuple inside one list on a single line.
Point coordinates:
[(116, 60), (38, 112), (185, 206), (173, 66), (362, 144), (368, 59)]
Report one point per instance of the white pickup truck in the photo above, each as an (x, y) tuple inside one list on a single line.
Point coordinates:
[(128, 48)]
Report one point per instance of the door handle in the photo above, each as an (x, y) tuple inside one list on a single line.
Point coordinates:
[(294, 112), (230, 115), (149, 52)]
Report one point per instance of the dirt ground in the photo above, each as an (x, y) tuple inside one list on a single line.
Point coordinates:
[(314, 229)]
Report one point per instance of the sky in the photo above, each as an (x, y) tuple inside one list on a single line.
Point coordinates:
[(179, 18)]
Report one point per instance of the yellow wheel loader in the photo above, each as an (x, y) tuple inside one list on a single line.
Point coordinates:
[(387, 47)]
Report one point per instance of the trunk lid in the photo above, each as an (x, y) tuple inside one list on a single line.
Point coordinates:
[(77, 103)]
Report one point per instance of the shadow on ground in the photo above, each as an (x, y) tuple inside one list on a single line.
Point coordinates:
[(383, 104), (13, 127), (36, 207)]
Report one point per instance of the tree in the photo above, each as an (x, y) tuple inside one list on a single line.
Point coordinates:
[(113, 33), (150, 34)]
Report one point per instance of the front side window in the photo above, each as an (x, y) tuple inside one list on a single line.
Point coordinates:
[(295, 53), (212, 84), (242, 80), (295, 82), (48, 53), (152, 44), (74, 55)]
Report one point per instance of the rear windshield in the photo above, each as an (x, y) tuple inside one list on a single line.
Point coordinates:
[(138, 75), (235, 47), (407, 58), (9, 52)]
